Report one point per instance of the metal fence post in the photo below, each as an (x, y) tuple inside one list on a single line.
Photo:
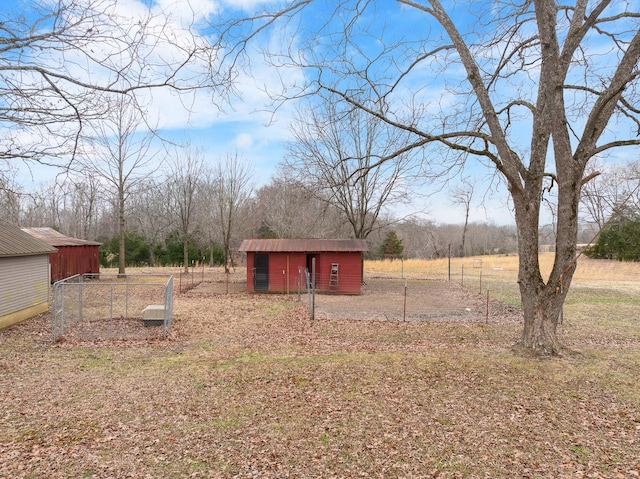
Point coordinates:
[(313, 289), (80, 303), (111, 315), (404, 309), (126, 295)]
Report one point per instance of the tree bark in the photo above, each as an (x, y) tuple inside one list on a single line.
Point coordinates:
[(152, 256), (542, 301), (541, 306), (535, 99), (121, 232), (185, 254)]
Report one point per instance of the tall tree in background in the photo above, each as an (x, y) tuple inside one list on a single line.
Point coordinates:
[(82, 198), (234, 187), (532, 90), (88, 194), (392, 245), (186, 170), (208, 213), (121, 157), (620, 239), (151, 213), (337, 152), (462, 195), (9, 197), (286, 208), (616, 188)]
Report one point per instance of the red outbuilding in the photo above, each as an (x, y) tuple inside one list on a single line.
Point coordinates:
[(73, 255), (279, 265)]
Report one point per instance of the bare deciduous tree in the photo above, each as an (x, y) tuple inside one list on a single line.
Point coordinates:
[(59, 60), (150, 211), (43, 207), (533, 90), (234, 186), (82, 198), (614, 187), (9, 197), (289, 209), (336, 151), (462, 195), (208, 214), (186, 171), (121, 158)]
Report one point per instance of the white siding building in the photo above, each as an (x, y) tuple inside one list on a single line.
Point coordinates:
[(24, 275)]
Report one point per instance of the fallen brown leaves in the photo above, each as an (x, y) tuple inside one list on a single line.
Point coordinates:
[(248, 387)]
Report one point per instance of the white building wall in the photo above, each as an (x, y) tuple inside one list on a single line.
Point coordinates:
[(24, 282)]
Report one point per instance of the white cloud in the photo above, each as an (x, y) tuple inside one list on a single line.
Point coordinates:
[(244, 141), (248, 5), (188, 12)]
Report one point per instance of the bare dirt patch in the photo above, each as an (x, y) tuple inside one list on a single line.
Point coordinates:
[(221, 287), (413, 300)]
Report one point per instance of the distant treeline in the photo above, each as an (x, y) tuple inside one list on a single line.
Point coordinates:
[(140, 252)]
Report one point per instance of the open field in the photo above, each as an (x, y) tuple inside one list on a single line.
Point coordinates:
[(248, 387)]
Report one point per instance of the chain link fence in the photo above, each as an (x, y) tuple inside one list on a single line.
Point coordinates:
[(99, 307), (496, 273)]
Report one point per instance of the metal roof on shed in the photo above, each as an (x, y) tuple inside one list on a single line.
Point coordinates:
[(15, 242), (303, 245), (55, 238)]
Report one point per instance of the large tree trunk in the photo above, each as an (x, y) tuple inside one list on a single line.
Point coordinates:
[(228, 258), (540, 319), (542, 302), (464, 232), (541, 306)]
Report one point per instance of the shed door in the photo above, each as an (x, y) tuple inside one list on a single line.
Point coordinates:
[(261, 272)]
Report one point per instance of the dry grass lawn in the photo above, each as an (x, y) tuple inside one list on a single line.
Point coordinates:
[(248, 387)]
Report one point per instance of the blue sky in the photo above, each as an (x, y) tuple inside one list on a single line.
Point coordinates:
[(244, 126), (248, 126)]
